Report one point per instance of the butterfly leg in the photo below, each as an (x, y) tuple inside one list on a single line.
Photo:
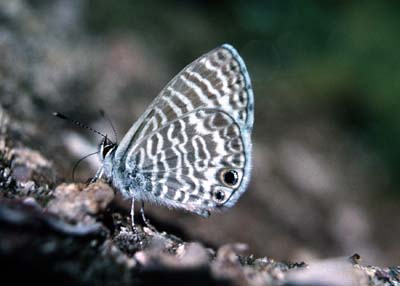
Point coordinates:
[(98, 175), (133, 214), (145, 220)]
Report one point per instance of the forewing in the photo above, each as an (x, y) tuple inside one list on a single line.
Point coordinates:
[(184, 162), (218, 79)]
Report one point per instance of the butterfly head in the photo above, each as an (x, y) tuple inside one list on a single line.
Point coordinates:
[(106, 148)]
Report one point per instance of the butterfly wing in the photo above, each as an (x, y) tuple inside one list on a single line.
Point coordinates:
[(195, 136)]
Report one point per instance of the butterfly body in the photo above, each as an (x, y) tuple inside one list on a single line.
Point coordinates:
[(191, 149)]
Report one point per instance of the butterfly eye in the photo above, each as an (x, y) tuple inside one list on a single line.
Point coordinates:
[(229, 177), (106, 149)]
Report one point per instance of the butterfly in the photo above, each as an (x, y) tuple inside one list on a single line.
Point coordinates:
[(191, 148)]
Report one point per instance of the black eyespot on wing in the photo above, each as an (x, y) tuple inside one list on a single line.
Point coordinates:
[(230, 177), (219, 196)]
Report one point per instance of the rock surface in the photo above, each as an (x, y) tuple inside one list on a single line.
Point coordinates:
[(76, 234)]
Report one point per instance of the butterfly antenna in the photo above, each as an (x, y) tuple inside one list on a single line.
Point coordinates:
[(105, 116), (80, 124), (78, 162)]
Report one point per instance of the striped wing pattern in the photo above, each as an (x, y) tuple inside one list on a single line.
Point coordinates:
[(179, 151)]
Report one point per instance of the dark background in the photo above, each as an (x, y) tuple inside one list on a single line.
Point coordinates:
[(327, 128)]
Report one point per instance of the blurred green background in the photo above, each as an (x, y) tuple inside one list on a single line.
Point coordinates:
[(336, 57)]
